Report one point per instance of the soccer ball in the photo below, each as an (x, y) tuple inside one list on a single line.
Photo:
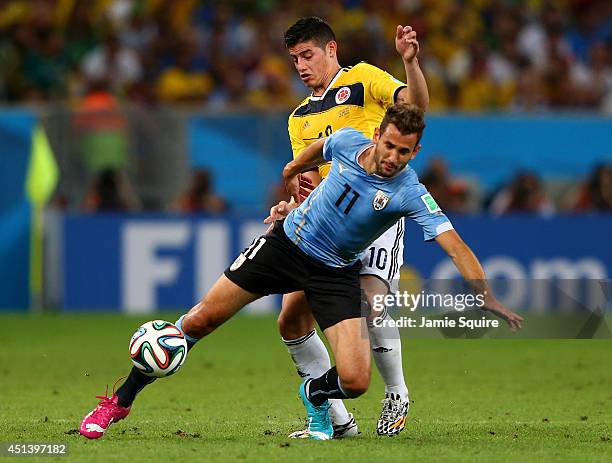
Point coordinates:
[(158, 348)]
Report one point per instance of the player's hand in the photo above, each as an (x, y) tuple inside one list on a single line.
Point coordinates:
[(292, 185), (513, 319), (406, 43), (306, 187), (280, 211)]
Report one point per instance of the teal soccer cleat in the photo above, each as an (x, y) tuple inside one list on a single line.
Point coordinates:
[(319, 424)]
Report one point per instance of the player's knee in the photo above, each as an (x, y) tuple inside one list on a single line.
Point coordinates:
[(355, 383), (291, 326), (291, 329)]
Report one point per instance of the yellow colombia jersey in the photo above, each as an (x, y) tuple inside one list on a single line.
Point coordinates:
[(357, 97)]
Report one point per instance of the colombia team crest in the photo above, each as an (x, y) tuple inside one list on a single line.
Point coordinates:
[(380, 201), (343, 94)]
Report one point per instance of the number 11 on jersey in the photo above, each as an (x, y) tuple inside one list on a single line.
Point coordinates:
[(347, 190)]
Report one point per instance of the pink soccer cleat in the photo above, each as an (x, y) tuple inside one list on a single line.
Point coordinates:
[(108, 411)]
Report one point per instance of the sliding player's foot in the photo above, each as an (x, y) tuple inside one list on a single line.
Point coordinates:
[(341, 431), (348, 429), (318, 425), (108, 411), (393, 416)]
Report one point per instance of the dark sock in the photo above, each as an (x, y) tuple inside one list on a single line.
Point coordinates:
[(190, 344), (134, 383), (325, 387)]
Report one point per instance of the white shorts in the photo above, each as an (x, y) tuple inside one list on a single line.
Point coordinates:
[(384, 257)]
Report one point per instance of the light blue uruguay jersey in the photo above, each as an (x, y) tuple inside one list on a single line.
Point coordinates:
[(350, 208)]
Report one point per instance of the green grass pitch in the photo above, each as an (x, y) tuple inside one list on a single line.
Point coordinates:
[(236, 398)]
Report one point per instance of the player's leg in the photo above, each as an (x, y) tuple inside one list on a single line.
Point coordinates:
[(349, 378), (297, 328), (334, 296), (223, 300), (380, 274), (295, 319), (384, 340), (262, 268), (351, 352), (387, 352)]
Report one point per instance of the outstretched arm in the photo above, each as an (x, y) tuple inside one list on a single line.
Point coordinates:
[(470, 268), (407, 46)]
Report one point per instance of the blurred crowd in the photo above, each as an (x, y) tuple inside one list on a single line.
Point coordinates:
[(111, 191), (533, 55), (478, 55), (525, 193)]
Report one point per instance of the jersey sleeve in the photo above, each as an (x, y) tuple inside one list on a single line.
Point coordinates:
[(424, 210), (297, 143), (344, 144), (330, 146), (382, 86)]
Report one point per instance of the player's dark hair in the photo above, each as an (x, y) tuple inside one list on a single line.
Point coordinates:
[(408, 118), (309, 28)]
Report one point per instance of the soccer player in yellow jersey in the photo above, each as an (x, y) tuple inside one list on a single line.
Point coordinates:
[(354, 96)]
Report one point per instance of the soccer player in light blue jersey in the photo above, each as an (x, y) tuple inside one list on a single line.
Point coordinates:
[(316, 250), (344, 214), (370, 185)]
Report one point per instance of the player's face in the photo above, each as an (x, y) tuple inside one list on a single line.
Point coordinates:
[(393, 150), (313, 63)]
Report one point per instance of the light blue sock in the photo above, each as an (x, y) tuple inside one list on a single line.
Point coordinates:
[(190, 339)]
